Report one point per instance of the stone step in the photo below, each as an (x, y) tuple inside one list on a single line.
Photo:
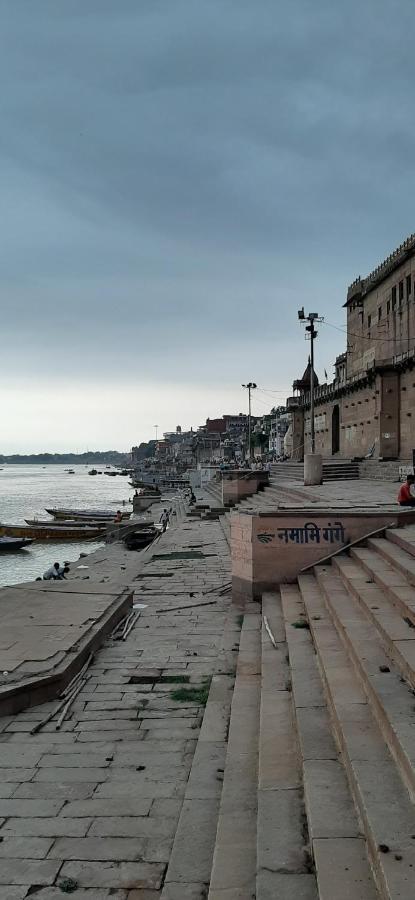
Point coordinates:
[(396, 556), (403, 537), (338, 848), (391, 700), (392, 582), (383, 803), (234, 857), (282, 863), (396, 634)]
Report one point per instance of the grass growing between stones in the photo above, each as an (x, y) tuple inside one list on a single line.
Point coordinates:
[(197, 695)]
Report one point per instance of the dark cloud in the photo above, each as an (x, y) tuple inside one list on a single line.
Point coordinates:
[(177, 178)]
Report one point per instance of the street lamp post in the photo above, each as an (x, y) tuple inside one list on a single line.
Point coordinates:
[(311, 319), (250, 387), (313, 464)]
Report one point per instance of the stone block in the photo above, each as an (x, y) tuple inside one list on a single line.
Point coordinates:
[(191, 858), (280, 842), (16, 847), (28, 871), (30, 808), (113, 848), (113, 875), (343, 870), (54, 791), (47, 827)]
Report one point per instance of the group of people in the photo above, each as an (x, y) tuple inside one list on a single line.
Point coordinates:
[(57, 572)]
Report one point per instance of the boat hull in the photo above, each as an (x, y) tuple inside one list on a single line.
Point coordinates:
[(104, 514), (50, 532), (10, 545)]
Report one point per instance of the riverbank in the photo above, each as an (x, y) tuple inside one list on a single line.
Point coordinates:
[(113, 801), (25, 491)]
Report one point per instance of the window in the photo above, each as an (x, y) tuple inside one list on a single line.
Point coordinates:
[(408, 285), (394, 297), (369, 321), (400, 292), (388, 307), (379, 313)]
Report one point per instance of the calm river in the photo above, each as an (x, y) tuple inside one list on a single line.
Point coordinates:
[(24, 493)]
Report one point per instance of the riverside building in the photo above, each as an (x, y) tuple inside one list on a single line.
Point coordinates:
[(368, 409)]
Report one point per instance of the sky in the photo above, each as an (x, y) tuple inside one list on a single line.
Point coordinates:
[(177, 179)]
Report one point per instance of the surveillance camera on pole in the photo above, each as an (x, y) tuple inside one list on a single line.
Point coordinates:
[(250, 387)]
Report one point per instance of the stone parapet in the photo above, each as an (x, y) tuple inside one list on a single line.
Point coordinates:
[(269, 549), (240, 483)]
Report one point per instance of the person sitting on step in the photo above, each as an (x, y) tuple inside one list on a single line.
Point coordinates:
[(405, 497)]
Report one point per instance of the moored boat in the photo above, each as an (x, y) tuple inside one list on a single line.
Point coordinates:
[(10, 544), (64, 513), (70, 523), (51, 532)]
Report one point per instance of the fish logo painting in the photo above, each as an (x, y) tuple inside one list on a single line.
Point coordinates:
[(266, 537)]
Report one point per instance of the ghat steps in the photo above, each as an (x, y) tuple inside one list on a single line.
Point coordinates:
[(319, 779)]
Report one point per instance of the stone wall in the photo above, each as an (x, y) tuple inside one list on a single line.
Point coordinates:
[(270, 549)]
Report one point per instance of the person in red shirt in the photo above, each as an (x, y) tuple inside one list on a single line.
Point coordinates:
[(405, 498)]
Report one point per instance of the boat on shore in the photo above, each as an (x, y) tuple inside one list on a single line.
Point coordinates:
[(52, 532), (70, 523), (10, 544), (141, 538), (101, 514)]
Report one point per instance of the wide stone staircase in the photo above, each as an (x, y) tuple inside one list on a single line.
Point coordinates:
[(319, 780), (334, 469)]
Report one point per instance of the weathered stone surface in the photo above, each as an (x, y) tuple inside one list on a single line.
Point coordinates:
[(280, 841), (180, 891), (113, 875), (273, 885), (52, 827), (30, 808), (193, 845), (28, 871), (97, 848), (54, 791), (96, 808), (343, 870), (330, 808), (130, 826)]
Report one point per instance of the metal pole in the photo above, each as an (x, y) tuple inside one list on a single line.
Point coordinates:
[(249, 423), (313, 431)]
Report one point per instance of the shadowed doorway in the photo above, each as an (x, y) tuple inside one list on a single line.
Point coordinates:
[(335, 430)]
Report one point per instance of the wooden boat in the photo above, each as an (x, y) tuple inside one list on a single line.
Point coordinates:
[(51, 532), (70, 523), (10, 544), (140, 539), (93, 472), (102, 514)]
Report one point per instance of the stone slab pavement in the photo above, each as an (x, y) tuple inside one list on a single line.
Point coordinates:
[(95, 804)]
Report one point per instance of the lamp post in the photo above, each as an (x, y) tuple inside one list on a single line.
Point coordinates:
[(250, 387), (313, 467), (311, 319)]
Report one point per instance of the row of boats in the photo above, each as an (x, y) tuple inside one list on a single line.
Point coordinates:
[(65, 525)]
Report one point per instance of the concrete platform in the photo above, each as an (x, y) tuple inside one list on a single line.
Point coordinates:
[(47, 633)]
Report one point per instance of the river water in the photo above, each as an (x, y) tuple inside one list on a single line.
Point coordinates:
[(25, 491)]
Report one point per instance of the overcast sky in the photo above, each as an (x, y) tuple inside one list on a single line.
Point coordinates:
[(177, 178)]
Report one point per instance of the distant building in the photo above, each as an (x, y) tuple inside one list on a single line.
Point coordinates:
[(368, 409)]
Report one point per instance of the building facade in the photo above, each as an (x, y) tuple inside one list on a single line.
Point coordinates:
[(368, 409)]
